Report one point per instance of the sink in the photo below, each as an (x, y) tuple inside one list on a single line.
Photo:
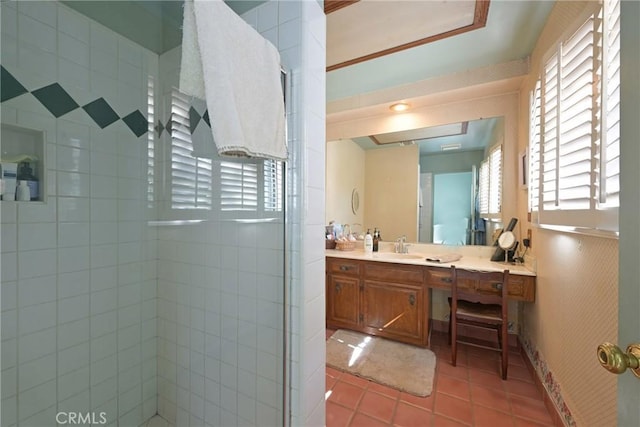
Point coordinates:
[(393, 255)]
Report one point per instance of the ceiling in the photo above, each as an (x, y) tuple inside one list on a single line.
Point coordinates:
[(154, 24), (452, 37), (511, 31), (465, 136)]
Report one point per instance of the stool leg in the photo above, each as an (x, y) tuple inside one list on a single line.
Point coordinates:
[(505, 350), (454, 339)]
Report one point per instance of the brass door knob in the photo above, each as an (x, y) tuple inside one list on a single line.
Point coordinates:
[(613, 359)]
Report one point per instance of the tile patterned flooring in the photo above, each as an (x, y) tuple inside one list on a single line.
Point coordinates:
[(471, 394)]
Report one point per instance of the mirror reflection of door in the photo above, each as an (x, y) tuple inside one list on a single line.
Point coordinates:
[(452, 210)]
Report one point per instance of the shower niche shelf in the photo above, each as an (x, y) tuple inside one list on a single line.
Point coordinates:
[(23, 150)]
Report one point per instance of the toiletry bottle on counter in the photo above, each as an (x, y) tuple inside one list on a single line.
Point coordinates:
[(376, 239), (23, 193), (368, 243)]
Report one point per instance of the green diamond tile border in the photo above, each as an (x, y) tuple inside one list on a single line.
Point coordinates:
[(58, 102)]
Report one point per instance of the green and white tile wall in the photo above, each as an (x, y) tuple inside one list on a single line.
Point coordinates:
[(78, 271), (94, 302)]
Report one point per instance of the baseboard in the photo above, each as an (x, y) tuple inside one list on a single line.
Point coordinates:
[(558, 420)]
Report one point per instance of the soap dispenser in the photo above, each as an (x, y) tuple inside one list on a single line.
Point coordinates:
[(376, 239), (368, 243)]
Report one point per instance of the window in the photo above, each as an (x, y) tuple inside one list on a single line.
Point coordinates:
[(574, 122), (249, 185), (534, 150), (240, 183), (190, 175), (490, 184), (150, 142)]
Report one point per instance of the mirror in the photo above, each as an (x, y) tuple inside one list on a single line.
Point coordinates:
[(421, 183)]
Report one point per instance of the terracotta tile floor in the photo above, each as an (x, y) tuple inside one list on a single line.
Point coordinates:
[(471, 394)]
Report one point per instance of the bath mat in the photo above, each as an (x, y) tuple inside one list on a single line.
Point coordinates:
[(401, 366)]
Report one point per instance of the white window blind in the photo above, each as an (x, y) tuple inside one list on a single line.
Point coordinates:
[(483, 188), (550, 133), (610, 158), (490, 183), (150, 142), (239, 186), (534, 149), (577, 129), (495, 180), (272, 185), (240, 183), (576, 120), (190, 176)]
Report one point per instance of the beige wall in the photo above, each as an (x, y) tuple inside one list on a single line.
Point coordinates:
[(391, 201), (576, 304), (345, 166)]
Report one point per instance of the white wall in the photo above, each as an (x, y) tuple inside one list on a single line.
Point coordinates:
[(78, 271), (345, 173), (391, 194)]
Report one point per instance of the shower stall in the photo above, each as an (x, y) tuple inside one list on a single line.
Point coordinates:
[(148, 280)]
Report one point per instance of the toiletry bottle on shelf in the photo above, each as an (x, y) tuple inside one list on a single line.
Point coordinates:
[(376, 239), (23, 194), (25, 173), (368, 243)]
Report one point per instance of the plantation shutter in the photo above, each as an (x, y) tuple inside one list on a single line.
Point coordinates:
[(239, 186), (495, 180), (610, 161), (550, 132), (272, 185), (534, 150), (577, 117), (483, 188), (190, 176)]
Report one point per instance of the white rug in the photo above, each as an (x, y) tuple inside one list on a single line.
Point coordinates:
[(401, 366)]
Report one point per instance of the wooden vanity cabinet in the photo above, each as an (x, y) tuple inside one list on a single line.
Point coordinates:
[(343, 293), (395, 302), (392, 300), (382, 299)]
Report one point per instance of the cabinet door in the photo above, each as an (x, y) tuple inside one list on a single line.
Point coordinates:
[(343, 301), (394, 310)]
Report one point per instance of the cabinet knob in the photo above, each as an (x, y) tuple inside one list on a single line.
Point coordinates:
[(345, 267), (447, 279), (497, 286), (338, 287), (412, 299)]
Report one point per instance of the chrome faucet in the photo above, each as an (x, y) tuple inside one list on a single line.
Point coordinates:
[(401, 246)]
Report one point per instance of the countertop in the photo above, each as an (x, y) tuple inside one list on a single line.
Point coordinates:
[(467, 261)]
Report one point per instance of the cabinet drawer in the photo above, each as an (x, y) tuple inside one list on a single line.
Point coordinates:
[(441, 278), (395, 273), (345, 267)]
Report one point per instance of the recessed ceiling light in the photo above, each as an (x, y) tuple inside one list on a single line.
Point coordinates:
[(447, 147), (399, 106)]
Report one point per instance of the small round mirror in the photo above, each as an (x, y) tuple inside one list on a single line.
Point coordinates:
[(355, 201), (506, 240)]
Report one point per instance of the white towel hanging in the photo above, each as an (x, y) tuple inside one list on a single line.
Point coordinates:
[(237, 71)]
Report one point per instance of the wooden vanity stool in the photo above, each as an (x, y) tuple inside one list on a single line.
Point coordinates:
[(486, 309)]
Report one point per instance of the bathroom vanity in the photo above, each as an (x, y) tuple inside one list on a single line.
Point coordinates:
[(388, 295)]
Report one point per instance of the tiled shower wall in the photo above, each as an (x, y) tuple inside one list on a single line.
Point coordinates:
[(221, 284), (220, 303), (78, 270)]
